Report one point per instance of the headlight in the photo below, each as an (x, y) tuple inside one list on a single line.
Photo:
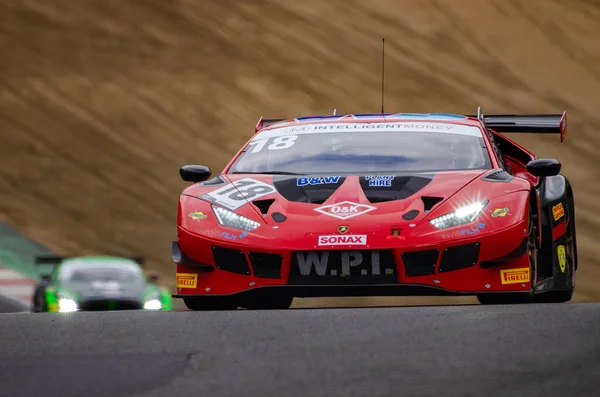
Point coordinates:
[(231, 219), (461, 216), (153, 304), (67, 305)]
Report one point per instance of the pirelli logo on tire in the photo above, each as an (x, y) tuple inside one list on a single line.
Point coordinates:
[(515, 276), (187, 280)]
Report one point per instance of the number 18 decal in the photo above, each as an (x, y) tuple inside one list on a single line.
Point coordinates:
[(278, 143), (234, 195)]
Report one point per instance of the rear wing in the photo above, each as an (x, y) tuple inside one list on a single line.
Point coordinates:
[(262, 123), (526, 123)]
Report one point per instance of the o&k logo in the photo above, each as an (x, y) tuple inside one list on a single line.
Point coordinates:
[(343, 240), (345, 209)]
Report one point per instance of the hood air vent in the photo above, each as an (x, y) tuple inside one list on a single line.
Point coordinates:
[(430, 202), (263, 205)]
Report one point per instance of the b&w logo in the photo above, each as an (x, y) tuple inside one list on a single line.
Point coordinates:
[(343, 240), (345, 209)]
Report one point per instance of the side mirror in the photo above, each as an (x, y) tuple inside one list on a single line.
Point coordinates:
[(544, 167), (46, 277), (194, 173), (153, 277)]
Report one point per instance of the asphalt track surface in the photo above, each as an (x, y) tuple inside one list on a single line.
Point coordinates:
[(471, 350)]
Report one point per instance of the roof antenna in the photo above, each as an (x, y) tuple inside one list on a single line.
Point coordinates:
[(479, 113), (382, 72), (334, 112)]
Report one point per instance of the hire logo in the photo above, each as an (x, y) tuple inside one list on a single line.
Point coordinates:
[(187, 280), (515, 276)]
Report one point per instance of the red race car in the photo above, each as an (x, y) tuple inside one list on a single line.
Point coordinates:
[(379, 205)]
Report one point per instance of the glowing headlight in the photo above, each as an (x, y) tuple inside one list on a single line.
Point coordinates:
[(67, 305), (231, 219), (461, 216), (153, 304)]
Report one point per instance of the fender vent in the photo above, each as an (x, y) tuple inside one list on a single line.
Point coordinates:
[(263, 205), (214, 181), (497, 176), (430, 202)]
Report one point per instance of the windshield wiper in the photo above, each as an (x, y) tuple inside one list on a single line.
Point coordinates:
[(269, 173)]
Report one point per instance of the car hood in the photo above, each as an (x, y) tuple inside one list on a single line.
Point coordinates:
[(333, 198), (103, 290)]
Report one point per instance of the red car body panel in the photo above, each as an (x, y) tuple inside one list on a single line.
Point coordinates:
[(499, 230)]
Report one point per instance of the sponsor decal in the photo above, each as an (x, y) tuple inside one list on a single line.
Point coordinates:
[(187, 280), (277, 143), (514, 276), (558, 211), (500, 212), (232, 236), (265, 138), (212, 232), (562, 257), (363, 263), (380, 180), (238, 193), (345, 209), (463, 232), (197, 215), (343, 240), (343, 229), (320, 180)]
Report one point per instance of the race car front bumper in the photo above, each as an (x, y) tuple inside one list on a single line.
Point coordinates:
[(482, 263)]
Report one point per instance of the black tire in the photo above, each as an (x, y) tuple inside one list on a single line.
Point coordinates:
[(39, 301), (266, 302), (512, 298), (210, 303), (565, 295)]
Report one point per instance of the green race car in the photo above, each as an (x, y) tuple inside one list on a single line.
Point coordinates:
[(97, 283)]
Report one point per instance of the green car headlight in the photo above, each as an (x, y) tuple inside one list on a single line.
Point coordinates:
[(463, 215), (66, 305), (153, 304)]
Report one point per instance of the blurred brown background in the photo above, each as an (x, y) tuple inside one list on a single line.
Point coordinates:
[(102, 101)]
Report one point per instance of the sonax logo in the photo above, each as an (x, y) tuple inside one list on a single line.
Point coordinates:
[(343, 240), (515, 276), (187, 280), (345, 209)]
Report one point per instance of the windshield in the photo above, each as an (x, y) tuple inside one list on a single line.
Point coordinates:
[(87, 274), (359, 148)]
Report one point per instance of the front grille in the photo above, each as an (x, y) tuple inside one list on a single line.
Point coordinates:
[(109, 304), (230, 260), (266, 265), (343, 267), (420, 263), (459, 257)]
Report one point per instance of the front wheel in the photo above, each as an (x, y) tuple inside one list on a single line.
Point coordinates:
[(207, 303)]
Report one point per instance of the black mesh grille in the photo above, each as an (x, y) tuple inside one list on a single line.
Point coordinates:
[(420, 263), (266, 265), (230, 260), (459, 257)]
